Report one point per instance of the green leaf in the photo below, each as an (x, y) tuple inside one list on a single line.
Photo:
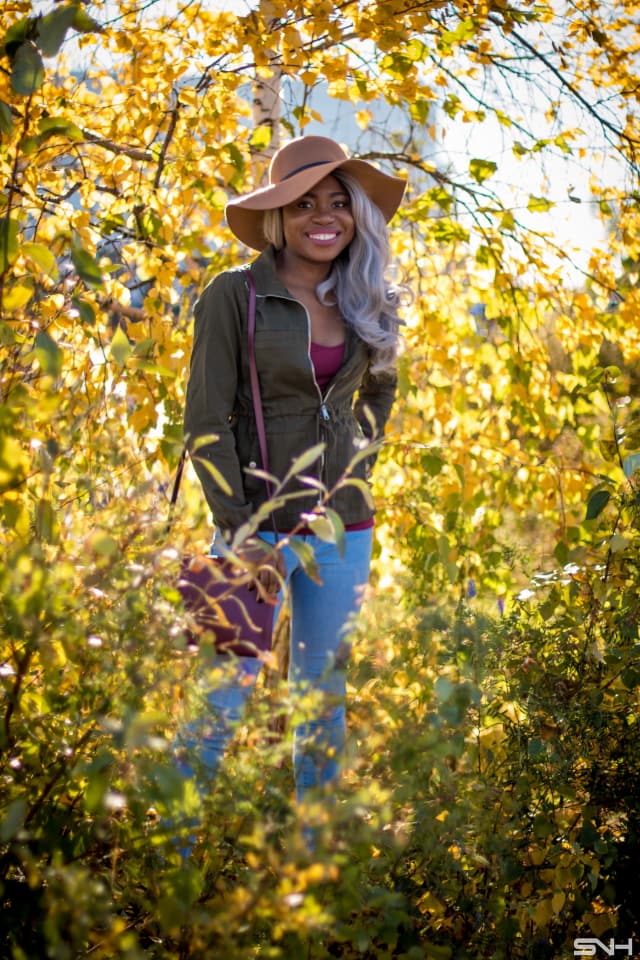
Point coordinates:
[(486, 255), (301, 463), (204, 441), (83, 23), (235, 156), (396, 64), (17, 34), (306, 556), (150, 225), (452, 105), (52, 29), (86, 265), (46, 521), (463, 32), (121, 349), (446, 230), (145, 348), (362, 486), (481, 170), (338, 527), (7, 335), (507, 222), (608, 450), (6, 118), (536, 748), (432, 464), (596, 502), (48, 353), (29, 145), (27, 74), (8, 242), (147, 366), (215, 473), (442, 197), (321, 526), (13, 819), (420, 110), (59, 126), (42, 257), (85, 310)]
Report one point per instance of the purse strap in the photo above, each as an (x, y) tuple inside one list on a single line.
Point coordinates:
[(256, 398), (255, 382)]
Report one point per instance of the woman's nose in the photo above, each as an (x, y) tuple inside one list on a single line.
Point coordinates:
[(323, 214)]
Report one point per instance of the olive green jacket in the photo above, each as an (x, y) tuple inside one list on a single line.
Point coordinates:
[(297, 416)]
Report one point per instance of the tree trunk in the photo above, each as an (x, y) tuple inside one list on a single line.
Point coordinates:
[(266, 109)]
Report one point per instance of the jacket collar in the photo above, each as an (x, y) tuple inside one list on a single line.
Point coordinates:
[(268, 284)]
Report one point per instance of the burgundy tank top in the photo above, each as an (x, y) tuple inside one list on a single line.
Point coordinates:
[(326, 363)]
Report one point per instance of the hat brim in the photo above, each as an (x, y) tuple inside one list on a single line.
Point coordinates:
[(245, 214)]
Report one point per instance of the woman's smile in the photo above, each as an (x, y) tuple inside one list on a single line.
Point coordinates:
[(323, 237)]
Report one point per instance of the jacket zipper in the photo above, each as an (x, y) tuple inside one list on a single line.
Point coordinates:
[(324, 414), (324, 411)]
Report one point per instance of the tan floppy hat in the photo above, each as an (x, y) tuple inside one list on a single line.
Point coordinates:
[(294, 170)]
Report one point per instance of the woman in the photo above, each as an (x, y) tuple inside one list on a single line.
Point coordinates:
[(326, 342)]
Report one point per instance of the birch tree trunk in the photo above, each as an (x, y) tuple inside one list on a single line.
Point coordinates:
[(266, 108)]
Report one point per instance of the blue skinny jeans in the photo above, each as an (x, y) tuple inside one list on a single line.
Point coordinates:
[(321, 619)]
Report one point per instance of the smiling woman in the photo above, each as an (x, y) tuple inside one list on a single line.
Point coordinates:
[(326, 343)]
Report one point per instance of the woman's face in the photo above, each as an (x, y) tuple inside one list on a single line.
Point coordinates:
[(319, 225)]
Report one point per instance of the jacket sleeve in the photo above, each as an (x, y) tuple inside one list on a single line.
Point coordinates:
[(211, 397), (376, 394)]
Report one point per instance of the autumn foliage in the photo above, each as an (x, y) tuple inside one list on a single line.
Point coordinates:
[(489, 808)]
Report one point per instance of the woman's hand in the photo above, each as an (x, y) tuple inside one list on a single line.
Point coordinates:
[(268, 562)]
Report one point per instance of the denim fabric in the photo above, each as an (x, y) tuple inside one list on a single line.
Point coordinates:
[(321, 618)]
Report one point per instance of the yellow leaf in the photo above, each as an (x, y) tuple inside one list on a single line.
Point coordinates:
[(364, 118), (101, 543), (544, 913), (558, 901), (537, 856), (121, 349), (42, 256), (188, 96), (18, 295)]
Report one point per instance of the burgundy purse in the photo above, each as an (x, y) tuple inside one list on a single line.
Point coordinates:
[(220, 599)]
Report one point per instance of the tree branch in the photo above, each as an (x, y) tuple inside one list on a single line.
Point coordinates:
[(132, 152), (567, 85), (173, 119)]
